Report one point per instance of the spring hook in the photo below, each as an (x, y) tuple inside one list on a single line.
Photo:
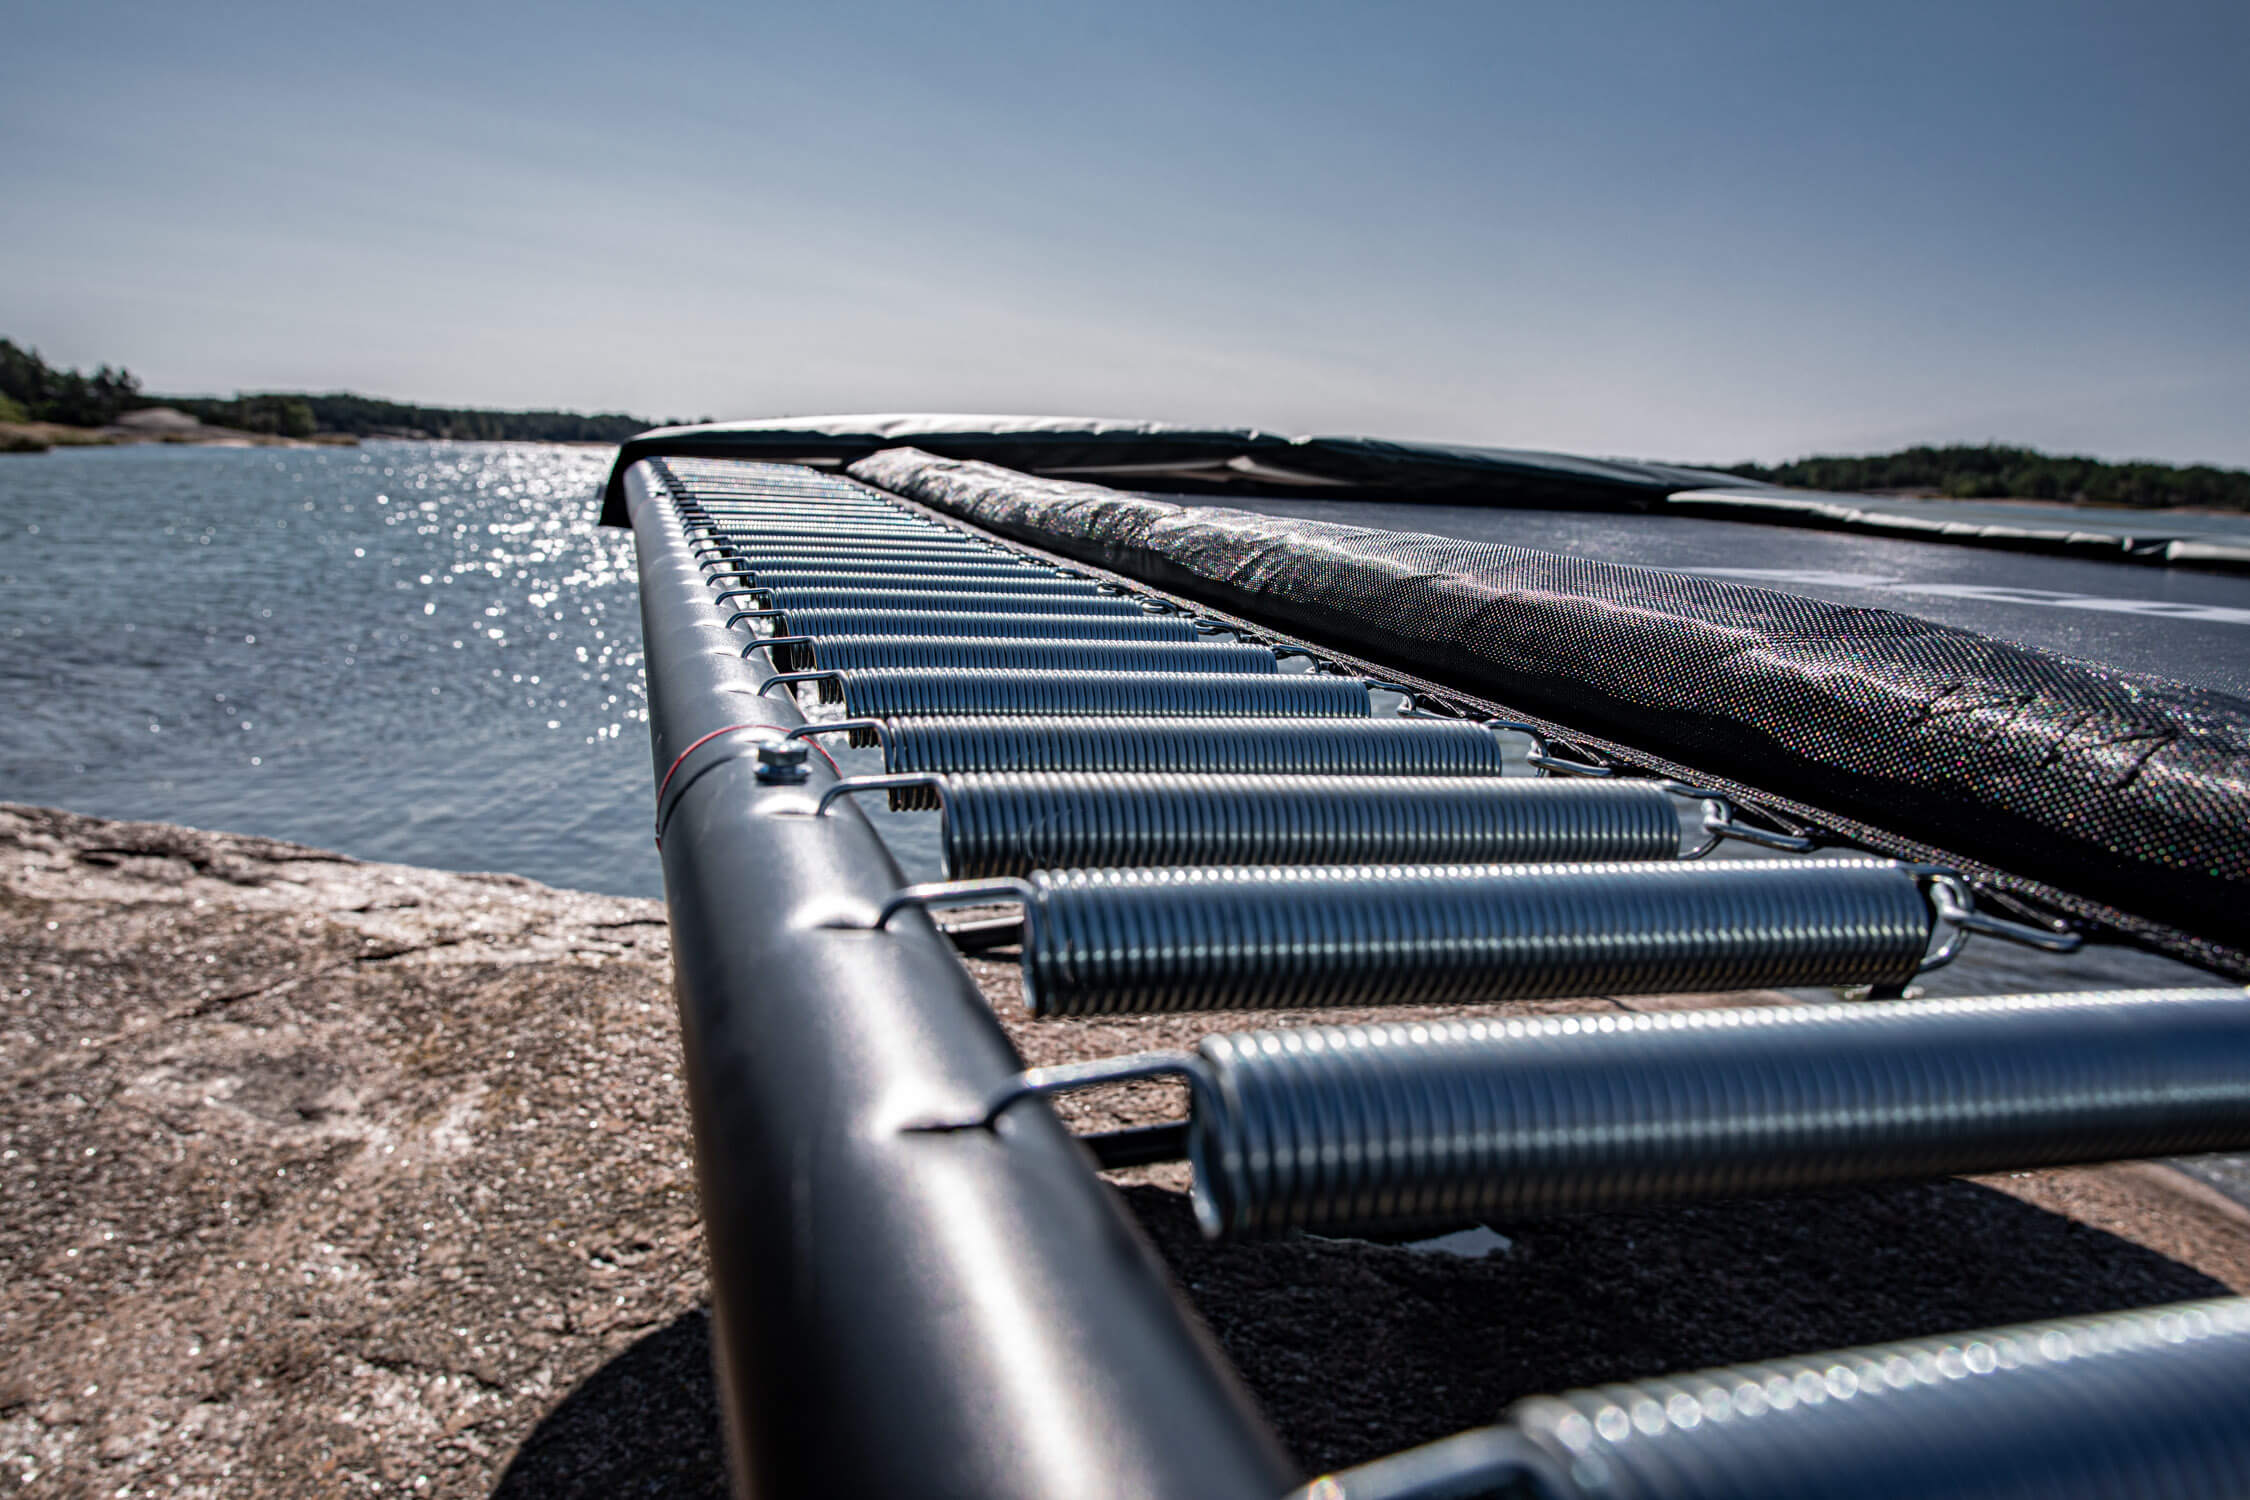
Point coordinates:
[(1062, 1078), (1721, 824), (929, 897), (1541, 757), (1954, 913), (864, 732), (1411, 708)]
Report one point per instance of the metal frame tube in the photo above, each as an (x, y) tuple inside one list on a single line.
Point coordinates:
[(897, 1312)]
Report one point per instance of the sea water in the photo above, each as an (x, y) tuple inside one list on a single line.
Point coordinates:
[(423, 652)]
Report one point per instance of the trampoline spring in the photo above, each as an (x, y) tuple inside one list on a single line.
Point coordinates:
[(722, 498), (908, 567), (732, 476), (814, 533), (947, 581), (829, 538), (812, 542), (808, 534), (888, 692), (2139, 1405), (1271, 746), (1446, 1123), (843, 553), (753, 517), (848, 555), (797, 505), (791, 568), (999, 599), (851, 653), (945, 576), (830, 550), (1014, 822), (708, 480), (1145, 941), (821, 623), (813, 525), (793, 501), (785, 503), (840, 558), (891, 564), (795, 514)]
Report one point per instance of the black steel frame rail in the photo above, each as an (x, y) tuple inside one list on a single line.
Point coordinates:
[(897, 1313)]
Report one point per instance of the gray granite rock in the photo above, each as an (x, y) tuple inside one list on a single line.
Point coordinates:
[(325, 1178)]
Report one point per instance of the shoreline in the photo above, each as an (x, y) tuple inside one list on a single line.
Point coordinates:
[(42, 437), (333, 1176)]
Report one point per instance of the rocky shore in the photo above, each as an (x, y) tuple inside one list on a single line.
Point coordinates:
[(330, 1178), (156, 424), (320, 1177)]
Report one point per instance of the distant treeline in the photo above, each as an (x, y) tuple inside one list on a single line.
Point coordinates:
[(366, 416), (32, 390), (1994, 472)]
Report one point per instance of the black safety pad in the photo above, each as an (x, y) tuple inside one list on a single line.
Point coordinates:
[(2132, 791), (1180, 457)]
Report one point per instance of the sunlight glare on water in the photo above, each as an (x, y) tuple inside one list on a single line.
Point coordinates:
[(423, 652)]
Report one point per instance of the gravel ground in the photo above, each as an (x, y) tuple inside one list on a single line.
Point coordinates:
[(331, 1178)]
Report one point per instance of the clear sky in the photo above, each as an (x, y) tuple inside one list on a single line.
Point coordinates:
[(1697, 232)]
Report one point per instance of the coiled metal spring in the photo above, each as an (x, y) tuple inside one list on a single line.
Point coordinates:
[(1136, 626), (1316, 747), (1445, 1123), (1014, 822), (825, 542), (823, 549), (795, 502), (861, 652), (815, 535), (798, 513), (2141, 1405), (806, 518), (797, 570), (846, 554), (933, 581), (1104, 942), (797, 529), (886, 692), (996, 601)]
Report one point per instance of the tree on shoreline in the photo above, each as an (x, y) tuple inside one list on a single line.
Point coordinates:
[(46, 394), (34, 391), (1996, 472)]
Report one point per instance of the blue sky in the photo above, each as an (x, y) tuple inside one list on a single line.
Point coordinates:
[(1698, 232)]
